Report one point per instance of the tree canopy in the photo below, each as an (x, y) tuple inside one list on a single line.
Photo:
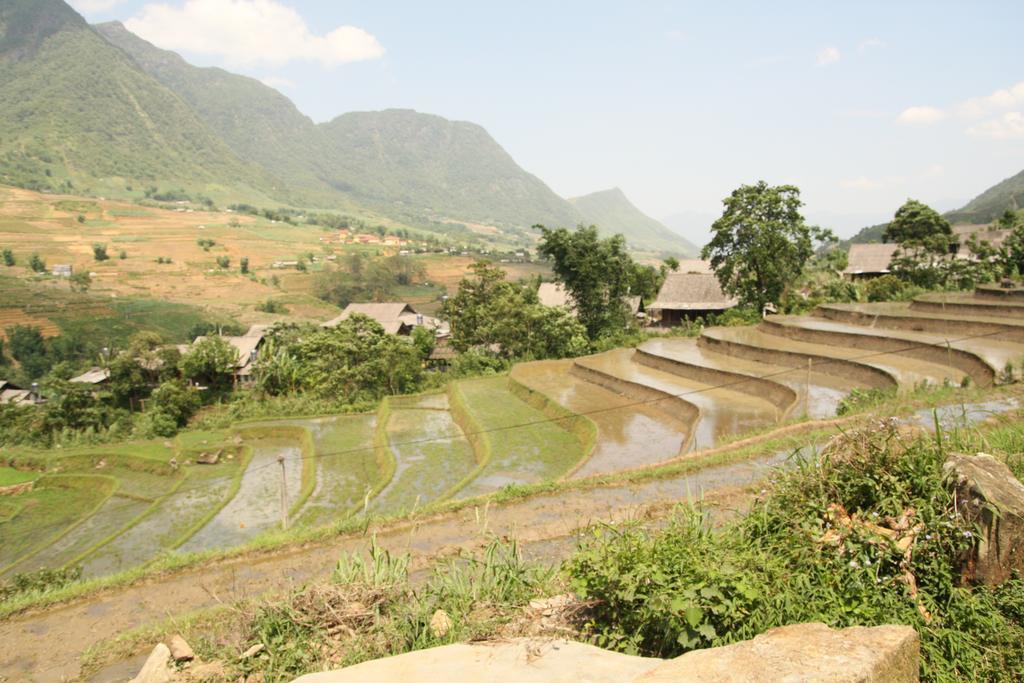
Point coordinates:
[(598, 273), (761, 242), (919, 226), (490, 311)]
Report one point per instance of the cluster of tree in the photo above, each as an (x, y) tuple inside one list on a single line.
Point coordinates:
[(356, 361), (928, 250), (358, 277), (599, 275), (492, 316)]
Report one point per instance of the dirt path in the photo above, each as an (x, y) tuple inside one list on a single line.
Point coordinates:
[(47, 646)]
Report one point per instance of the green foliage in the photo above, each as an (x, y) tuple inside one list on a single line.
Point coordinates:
[(360, 278), (122, 254), (861, 399), (918, 226), (760, 244), (210, 361), (884, 288), (807, 551), (81, 218), (223, 262), (355, 361), (99, 252), (80, 281), (243, 265), (506, 319), (272, 306), (597, 273), (205, 243), (40, 581), (28, 347), (37, 264), (172, 405), (8, 257)]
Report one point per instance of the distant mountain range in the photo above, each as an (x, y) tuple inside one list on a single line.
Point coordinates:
[(98, 109)]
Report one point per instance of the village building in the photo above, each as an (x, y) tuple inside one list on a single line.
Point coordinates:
[(94, 376), (869, 260), (62, 270), (554, 295), (686, 296), (694, 265), (395, 317), (247, 347), (11, 394)]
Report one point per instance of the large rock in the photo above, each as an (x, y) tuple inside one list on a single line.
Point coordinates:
[(157, 668), (988, 495), (513, 661), (808, 653)]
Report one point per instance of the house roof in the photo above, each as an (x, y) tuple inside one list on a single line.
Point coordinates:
[(393, 317), (694, 265), (692, 292), (14, 396), (554, 294), (92, 376), (244, 345), (995, 238), (869, 258)]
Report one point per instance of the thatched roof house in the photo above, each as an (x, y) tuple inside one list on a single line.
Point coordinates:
[(394, 317), (92, 376), (247, 347), (11, 394), (685, 296), (694, 265), (554, 294), (869, 260)]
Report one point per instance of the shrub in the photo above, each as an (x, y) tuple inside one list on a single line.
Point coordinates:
[(99, 252), (271, 306), (884, 288), (37, 264), (243, 265), (223, 262), (8, 256)]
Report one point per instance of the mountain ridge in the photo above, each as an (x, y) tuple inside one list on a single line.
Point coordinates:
[(612, 212)]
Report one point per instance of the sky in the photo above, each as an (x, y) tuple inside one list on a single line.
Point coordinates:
[(860, 104)]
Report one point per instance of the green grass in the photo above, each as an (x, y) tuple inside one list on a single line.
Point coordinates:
[(538, 451), (10, 476)]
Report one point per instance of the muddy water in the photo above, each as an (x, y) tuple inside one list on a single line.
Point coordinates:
[(346, 466), (995, 352), (818, 396), (909, 372), (627, 435), (965, 415), (723, 412), (113, 515), (257, 505), (163, 527), (432, 457)]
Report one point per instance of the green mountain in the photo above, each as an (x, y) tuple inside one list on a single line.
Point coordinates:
[(612, 213), (258, 123), (403, 160), (73, 108), (992, 203)]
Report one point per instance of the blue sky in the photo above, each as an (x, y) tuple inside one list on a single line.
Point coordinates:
[(860, 104)]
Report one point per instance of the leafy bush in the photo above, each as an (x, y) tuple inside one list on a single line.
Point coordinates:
[(99, 252), (884, 288), (8, 257), (40, 581), (272, 306), (223, 262), (859, 399), (865, 534), (37, 264)]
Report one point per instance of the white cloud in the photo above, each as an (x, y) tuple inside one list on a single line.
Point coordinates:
[(250, 32), (1009, 126), (277, 82), (865, 45), (1001, 99), (861, 183), (829, 55), (921, 116), (90, 6)]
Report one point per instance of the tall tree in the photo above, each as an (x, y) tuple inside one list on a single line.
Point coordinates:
[(919, 226), (761, 242), (598, 273)]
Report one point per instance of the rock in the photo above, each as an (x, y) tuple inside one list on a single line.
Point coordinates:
[(203, 673), (808, 653), (440, 624), (157, 667), (208, 458), (180, 650), (988, 495), (253, 651), (513, 661)]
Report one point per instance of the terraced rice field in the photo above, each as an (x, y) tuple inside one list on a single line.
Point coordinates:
[(113, 507)]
